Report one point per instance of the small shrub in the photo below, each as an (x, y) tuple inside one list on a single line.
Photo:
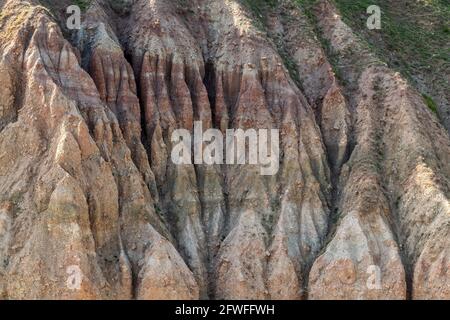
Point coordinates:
[(83, 4), (430, 103)]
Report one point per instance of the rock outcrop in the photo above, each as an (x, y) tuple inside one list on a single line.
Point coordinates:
[(92, 206)]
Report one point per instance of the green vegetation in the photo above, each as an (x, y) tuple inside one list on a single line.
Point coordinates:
[(414, 39), (83, 4), (306, 5), (414, 35), (430, 103), (158, 210), (333, 58), (259, 8)]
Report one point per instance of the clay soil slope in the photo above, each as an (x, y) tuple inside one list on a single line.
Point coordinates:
[(87, 185)]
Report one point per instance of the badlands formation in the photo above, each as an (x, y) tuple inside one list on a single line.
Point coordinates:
[(92, 207)]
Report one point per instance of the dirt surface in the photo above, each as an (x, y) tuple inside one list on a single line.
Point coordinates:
[(92, 207)]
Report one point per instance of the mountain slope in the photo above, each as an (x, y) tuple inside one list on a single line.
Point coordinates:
[(88, 188)]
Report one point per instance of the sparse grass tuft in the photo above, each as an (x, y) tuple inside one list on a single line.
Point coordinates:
[(258, 8), (430, 103), (414, 36), (83, 4)]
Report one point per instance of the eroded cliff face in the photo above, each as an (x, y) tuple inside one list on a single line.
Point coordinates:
[(87, 185)]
